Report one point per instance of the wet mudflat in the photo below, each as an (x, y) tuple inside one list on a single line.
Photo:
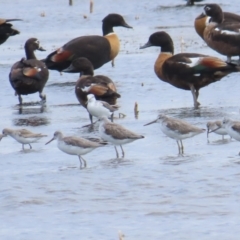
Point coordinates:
[(150, 194)]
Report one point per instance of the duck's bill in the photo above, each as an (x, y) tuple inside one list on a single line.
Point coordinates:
[(146, 45)]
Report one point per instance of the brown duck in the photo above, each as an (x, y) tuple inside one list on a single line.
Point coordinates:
[(29, 75), (202, 21), (98, 49), (188, 71), (223, 37), (102, 87), (6, 29)]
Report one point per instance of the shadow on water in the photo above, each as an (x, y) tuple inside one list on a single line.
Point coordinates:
[(116, 162), (177, 7), (31, 121), (203, 112), (219, 142), (67, 105), (66, 84), (179, 159)]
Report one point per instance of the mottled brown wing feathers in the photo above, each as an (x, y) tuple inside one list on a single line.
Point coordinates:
[(119, 132), (236, 127), (182, 127), (81, 142)]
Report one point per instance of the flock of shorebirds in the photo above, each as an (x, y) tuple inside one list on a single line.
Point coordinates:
[(98, 94)]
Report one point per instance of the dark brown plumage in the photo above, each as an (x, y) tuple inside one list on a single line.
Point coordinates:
[(29, 75), (202, 21), (6, 29), (191, 2), (223, 37), (102, 87), (98, 49), (188, 71)]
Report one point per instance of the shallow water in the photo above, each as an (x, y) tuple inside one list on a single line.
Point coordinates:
[(152, 193)]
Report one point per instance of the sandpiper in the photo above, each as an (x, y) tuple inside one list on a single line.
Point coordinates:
[(23, 136), (216, 127), (177, 129), (232, 128), (99, 108), (116, 134), (75, 146)]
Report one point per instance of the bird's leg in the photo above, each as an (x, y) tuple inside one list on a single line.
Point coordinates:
[(112, 117), (182, 148), (84, 162), (179, 153), (116, 151), (195, 94), (91, 118), (80, 160), (113, 64), (228, 59), (20, 99), (22, 146), (90, 125), (190, 2), (30, 146), (123, 154), (43, 97)]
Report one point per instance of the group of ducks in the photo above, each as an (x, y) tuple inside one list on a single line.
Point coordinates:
[(98, 94)]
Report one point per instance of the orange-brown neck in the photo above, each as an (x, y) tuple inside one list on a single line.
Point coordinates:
[(200, 25), (163, 56), (114, 43)]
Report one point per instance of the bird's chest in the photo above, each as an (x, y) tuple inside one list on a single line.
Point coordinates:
[(114, 44)]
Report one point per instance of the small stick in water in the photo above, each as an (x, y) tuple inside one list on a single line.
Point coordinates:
[(91, 6)]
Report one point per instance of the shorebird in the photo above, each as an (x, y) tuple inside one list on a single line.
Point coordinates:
[(75, 146), (23, 136), (177, 129), (216, 127), (121, 235), (116, 134), (232, 128), (100, 109)]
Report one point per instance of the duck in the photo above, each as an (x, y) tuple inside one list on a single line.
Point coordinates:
[(102, 87), (191, 2), (6, 29), (29, 75), (98, 49), (221, 36), (187, 71), (202, 21)]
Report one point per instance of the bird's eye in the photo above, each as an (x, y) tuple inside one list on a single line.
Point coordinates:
[(207, 8)]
